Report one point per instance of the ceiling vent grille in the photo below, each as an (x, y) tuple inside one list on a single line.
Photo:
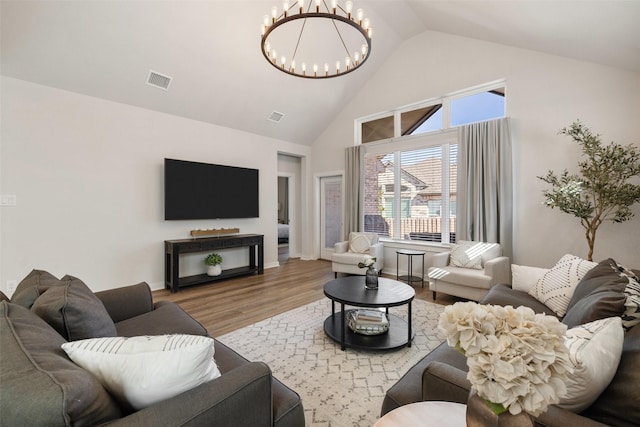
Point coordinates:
[(275, 117), (158, 80)]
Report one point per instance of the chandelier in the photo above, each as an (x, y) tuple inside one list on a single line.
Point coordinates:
[(320, 42)]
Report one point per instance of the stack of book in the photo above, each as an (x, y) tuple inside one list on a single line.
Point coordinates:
[(367, 322)]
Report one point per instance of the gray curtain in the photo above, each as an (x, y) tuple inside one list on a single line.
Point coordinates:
[(485, 184), (353, 177)]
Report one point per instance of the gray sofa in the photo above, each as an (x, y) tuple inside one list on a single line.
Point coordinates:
[(441, 374), (39, 385)]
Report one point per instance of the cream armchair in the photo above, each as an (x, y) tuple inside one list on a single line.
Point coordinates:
[(349, 253), (469, 270)]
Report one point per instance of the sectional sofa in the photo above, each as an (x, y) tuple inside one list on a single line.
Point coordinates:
[(41, 385), (604, 291)]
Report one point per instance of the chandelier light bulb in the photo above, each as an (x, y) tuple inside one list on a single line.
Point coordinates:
[(315, 69), (347, 62), (337, 67), (304, 69), (360, 16), (283, 60), (326, 69), (349, 6), (363, 49), (334, 5), (365, 23), (301, 5), (266, 20), (317, 5), (285, 7), (274, 55), (268, 48), (293, 65), (274, 13), (356, 57)]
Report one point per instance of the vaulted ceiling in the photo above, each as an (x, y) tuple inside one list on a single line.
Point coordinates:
[(212, 52)]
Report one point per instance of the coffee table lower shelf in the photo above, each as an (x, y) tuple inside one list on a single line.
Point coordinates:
[(396, 337)]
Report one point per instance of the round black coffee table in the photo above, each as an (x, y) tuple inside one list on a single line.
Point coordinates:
[(350, 290)]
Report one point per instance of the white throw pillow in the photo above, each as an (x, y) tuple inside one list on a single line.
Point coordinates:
[(359, 243), (556, 287), (595, 349), (144, 370), (467, 255), (524, 278)]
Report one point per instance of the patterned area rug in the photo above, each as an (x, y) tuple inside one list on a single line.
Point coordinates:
[(338, 388)]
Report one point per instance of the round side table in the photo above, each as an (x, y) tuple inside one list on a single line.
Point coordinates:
[(426, 414), (409, 278)]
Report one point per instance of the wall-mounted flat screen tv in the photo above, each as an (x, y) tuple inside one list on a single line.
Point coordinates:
[(194, 190)]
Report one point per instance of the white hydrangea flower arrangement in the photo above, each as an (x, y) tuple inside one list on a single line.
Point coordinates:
[(367, 262), (517, 359)]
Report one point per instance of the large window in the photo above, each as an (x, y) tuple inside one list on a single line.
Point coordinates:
[(410, 194), (411, 163)]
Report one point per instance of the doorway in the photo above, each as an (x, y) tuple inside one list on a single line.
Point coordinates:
[(284, 217), (330, 214), (290, 206)]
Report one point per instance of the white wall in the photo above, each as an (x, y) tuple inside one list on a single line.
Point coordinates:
[(544, 94), (88, 175)]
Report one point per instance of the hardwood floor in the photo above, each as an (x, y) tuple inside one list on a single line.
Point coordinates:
[(231, 304)]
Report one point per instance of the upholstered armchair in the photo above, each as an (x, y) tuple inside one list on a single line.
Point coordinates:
[(469, 270), (349, 253)]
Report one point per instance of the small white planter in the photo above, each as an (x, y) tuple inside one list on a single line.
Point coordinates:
[(214, 270)]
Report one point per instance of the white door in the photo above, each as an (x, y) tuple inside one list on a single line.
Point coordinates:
[(330, 214)]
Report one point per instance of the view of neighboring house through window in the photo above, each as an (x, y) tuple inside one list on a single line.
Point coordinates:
[(411, 165), (406, 196)]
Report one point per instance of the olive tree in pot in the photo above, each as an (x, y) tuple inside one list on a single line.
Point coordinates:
[(601, 190), (213, 261)]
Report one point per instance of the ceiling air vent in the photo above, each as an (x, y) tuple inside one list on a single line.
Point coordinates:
[(275, 117), (158, 80)]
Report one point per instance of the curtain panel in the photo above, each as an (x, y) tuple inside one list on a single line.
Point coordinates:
[(353, 189), (485, 184)]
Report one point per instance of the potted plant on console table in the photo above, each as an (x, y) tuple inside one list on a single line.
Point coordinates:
[(213, 261)]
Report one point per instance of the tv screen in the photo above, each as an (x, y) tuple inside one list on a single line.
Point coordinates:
[(194, 190)]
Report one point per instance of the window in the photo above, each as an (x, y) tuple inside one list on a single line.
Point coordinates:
[(477, 107), (417, 183), (412, 122), (375, 130), (411, 163), (422, 120)]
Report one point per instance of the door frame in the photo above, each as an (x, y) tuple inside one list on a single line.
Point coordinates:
[(318, 250)]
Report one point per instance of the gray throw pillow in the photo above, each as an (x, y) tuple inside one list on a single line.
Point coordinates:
[(31, 287), (74, 311), (600, 294), (631, 315), (39, 385)]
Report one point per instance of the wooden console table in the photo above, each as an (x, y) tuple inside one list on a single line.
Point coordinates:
[(174, 248)]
